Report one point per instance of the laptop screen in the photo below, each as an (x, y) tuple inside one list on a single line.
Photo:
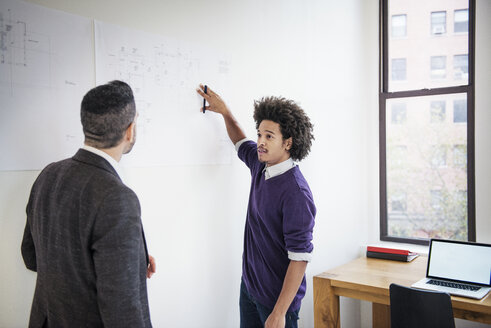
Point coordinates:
[(462, 261)]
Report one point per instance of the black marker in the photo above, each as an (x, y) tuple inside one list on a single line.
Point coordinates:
[(204, 100)]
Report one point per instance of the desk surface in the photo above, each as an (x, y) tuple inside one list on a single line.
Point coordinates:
[(369, 279)]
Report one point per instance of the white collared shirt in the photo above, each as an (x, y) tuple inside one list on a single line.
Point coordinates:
[(107, 157), (278, 169)]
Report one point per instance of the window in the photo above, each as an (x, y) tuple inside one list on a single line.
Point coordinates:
[(460, 211), (437, 201), (460, 111), (398, 113), (399, 69), (438, 22), (460, 67), (438, 67), (398, 202), (461, 21), (427, 121), (437, 111), (438, 156), (459, 155), (398, 26), (398, 156)]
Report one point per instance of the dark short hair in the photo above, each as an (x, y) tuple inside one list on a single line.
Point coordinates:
[(292, 120), (106, 112)]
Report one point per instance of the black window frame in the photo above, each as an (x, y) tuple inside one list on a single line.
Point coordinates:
[(385, 95)]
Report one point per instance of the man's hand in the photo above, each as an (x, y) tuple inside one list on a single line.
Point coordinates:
[(216, 104), (151, 266), (275, 320)]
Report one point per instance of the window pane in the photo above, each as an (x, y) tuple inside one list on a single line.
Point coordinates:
[(437, 111), (461, 21), (437, 202), (438, 23), (398, 26), (399, 69), (460, 155), (438, 67), (438, 155), (426, 169), (398, 115), (427, 48), (460, 111), (460, 67), (461, 204), (399, 156), (398, 202)]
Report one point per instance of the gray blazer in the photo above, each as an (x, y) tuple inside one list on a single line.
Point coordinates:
[(84, 237)]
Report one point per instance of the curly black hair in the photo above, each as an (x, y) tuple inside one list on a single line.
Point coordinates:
[(292, 120)]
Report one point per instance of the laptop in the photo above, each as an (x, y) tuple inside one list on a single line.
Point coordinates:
[(458, 268)]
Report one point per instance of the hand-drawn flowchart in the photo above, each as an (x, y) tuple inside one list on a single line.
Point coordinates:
[(164, 74)]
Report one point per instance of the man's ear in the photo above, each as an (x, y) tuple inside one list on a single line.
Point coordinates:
[(288, 143), (130, 132)]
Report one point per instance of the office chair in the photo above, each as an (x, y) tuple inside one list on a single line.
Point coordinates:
[(416, 308)]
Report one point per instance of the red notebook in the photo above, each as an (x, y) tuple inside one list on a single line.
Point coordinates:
[(391, 254), (388, 250)]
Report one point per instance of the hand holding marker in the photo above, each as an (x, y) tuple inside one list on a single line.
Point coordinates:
[(215, 103), (204, 100)]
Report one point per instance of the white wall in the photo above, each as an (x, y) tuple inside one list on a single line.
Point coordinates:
[(324, 54), (194, 215)]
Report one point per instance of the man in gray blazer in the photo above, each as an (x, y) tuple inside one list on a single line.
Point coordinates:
[(84, 235)]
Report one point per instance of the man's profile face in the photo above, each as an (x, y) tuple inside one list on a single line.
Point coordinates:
[(271, 147)]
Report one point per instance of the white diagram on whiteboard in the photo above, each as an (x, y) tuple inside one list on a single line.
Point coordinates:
[(46, 66), (164, 74), (24, 54)]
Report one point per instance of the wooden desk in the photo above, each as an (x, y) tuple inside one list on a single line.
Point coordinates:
[(369, 279)]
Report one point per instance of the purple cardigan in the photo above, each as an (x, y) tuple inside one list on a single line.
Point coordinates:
[(280, 218)]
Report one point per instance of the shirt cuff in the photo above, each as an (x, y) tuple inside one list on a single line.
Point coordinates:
[(307, 257), (239, 143)]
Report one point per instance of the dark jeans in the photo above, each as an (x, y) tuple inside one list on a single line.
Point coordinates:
[(254, 314)]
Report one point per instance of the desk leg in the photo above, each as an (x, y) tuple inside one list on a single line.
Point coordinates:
[(380, 315), (326, 304)]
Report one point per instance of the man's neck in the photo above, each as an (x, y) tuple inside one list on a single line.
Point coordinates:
[(114, 152)]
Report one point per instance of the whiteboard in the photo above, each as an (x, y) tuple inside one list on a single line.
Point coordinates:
[(46, 66), (164, 74)]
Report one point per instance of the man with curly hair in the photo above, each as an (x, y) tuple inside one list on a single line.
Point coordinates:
[(281, 210)]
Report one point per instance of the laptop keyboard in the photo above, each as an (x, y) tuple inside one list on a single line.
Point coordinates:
[(453, 285)]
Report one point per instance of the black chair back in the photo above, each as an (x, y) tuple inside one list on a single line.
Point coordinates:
[(416, 308)]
